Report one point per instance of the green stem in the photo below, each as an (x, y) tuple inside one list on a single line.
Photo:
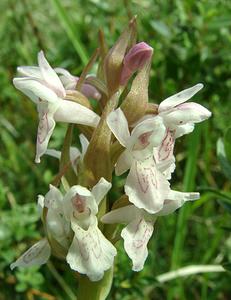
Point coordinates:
[(99, 290), (61, 281)]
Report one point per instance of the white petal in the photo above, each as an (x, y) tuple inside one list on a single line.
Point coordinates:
[(53, 153), (40, 205), (136, 236), (69, 81), (45, 129), (183, 129), (35, 89), (146, 187), (30, 72), (53, 198), (49, 75), (124, 214), (146, 135), (186, 113), (175, 195), (179, 98), (124, 162), (169, 207), (118, 124), (38, 254), (195, 112), (58, 227), (84, 144), (168, 171), (100, 190), (71, 112), (175, 200), (90, 252), (74, 155), (63, 71)]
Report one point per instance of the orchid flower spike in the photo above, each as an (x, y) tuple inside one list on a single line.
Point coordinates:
[(141, 224), (90, 252), (43, 86), (134, 60), (145, 186), (69, 82)]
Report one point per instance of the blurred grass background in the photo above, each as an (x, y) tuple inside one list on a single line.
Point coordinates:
[(191, 40)]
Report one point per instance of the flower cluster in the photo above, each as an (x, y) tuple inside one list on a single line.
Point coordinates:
[(127, 134)]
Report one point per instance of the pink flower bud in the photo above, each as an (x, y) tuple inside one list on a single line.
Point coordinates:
[(134, 60), (90, 91)]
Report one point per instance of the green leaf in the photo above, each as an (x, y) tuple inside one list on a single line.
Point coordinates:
[(226, 228), (225, 204), (161, 28), (224, 163)]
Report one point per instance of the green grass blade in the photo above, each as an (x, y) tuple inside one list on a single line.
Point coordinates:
[(188, 185), (70, 30)]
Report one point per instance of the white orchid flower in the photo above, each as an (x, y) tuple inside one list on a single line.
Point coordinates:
[(139, 144), (75, 154), (180, 117), (141, 224), (57, 227), (69, 82), (145, 186), (90, 252), (43, 86)]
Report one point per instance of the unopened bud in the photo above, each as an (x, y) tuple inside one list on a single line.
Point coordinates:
[(114, 60), (134, 60)]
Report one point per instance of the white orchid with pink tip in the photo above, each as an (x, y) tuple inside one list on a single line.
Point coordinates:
[(43, 86)]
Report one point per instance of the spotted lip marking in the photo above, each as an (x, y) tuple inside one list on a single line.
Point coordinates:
[(32, 253), (43, 126), (146, 177), (89, 244), (143, 141), (147, 232), (167, 145)]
